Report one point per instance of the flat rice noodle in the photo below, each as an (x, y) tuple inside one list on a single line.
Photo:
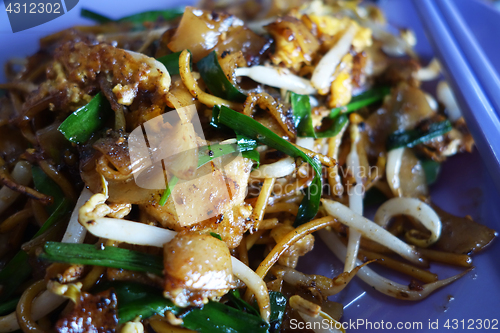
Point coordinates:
[(199, 31), (412, 182), (245, 40), (409, 108), (462, 235)]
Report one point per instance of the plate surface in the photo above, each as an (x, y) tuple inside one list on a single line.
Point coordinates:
[(464, 188)]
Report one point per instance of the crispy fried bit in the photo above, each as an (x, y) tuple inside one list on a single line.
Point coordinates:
[(197, 268), (63, 273), (92, 313)]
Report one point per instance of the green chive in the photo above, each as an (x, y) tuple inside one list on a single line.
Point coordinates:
[(337, 126), (154, 15), (87, 254), (213, 234), (301, 107), (8, 306), (81, 124), (431, 169), (18, 269), (215, 79), (166, 194), (86, 13), (149, 16), (141, 301), (171, 62), (249, 127), (357, 102), (414, 137)]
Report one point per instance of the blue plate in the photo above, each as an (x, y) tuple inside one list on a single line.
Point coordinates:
[(464, 188)]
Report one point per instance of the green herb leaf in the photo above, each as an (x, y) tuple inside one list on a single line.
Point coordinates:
[(91, 15), (171, 62), (166, 194), (81, 124), (248, 147), (357, 102), (253, 155), (303, 121), (278, 305), (216, 81), (249, 127), (337, 126), (18, 269), (211, 152), (411, 138), (218, 317), (235, 299), (138, 300), (60, 207), (301, 107), (431, 169), (154, 15), (87, 254), (8, 306), (246, 143), (374, 197), (14, 274), (149, 16), (213, 234), (214, 122), (46, 185)]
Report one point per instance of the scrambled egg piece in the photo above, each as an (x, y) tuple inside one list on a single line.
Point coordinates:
[(295, 44), (341, 89), (328, 29)]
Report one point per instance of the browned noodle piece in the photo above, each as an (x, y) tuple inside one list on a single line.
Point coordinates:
[(243, 252), (12, 221), (39, 212), (23, 86), (455, 259), (27, 324), (325, 160), (57, 177), (291, 238), (266, 101), (28, 111), (408, 269)]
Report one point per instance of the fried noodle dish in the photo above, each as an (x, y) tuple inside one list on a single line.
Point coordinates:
[(167, 171)]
